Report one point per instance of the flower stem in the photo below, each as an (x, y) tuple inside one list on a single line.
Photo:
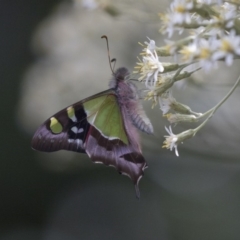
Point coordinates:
[(214, 109)]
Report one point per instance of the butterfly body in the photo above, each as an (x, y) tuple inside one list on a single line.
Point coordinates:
[(104, 126)]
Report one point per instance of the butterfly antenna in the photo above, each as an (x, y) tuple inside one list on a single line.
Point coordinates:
[(109, 59), (114, 60)]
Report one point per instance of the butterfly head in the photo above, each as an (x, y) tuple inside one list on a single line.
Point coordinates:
[(120, 75)]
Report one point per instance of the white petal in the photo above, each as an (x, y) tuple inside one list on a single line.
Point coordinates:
[(176, 151)]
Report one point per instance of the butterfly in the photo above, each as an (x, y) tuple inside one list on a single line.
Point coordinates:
[(104, 126)]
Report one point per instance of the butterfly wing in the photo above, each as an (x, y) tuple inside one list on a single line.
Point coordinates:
[(66, 130), (95, 126)]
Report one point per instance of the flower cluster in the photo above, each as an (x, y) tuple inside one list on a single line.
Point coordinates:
[(213, 28)]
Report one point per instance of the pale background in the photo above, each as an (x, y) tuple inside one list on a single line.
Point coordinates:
[(52, 56)]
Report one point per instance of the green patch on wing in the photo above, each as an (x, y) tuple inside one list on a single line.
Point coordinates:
[(104, 113), (55, 126)]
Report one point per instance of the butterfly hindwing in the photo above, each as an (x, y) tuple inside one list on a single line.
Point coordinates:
[(113, 152)]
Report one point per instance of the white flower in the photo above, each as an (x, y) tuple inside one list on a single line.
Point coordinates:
[(181, 5), (171, 141), (191, 51), (150, 66), (206, 49), (180, 18), (170, 28), (178, 15), (154, 66), (201, 50), (228, 46), (228, 14)]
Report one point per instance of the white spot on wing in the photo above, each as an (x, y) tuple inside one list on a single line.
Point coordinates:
[(74, 129), (98, 162), (74, 119), (80, 130), (79, 143)]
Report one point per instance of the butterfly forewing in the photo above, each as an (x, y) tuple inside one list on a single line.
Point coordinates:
[(66, 130)]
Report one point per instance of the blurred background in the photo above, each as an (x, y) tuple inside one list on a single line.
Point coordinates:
[(52, 56)]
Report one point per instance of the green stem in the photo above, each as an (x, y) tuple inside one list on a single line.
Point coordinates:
[(214, 109)]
